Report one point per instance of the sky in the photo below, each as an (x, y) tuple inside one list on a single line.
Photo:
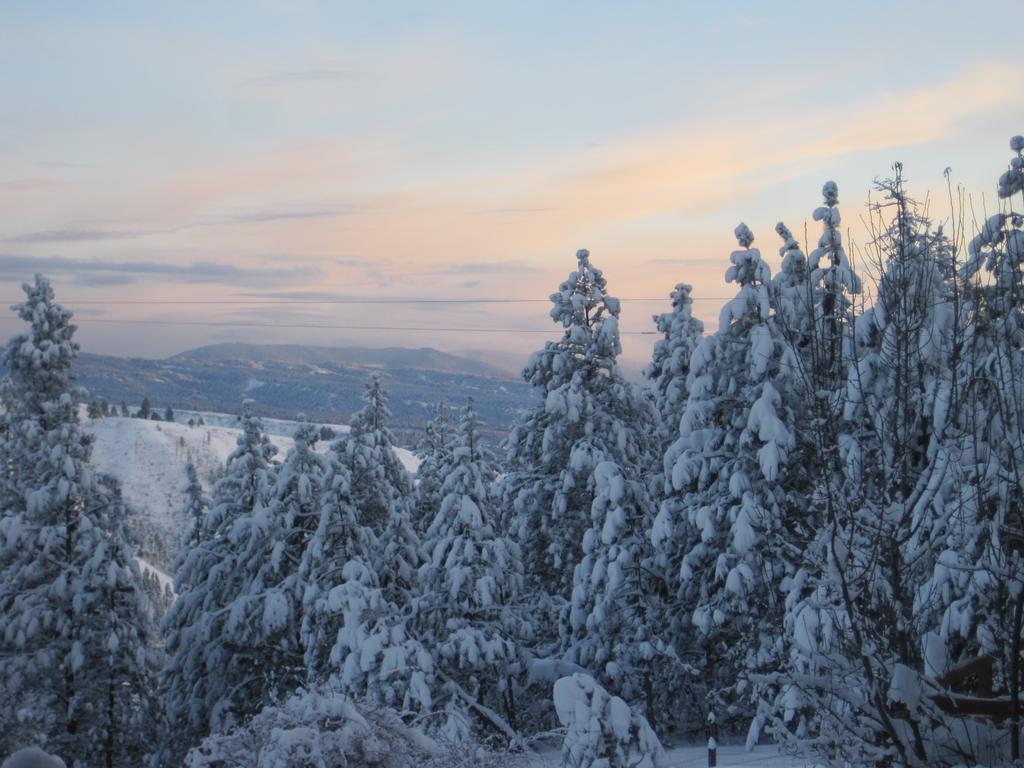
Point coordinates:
[(257, 157)]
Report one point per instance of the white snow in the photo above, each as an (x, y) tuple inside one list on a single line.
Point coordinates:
[(149, 459), (165, 579), (32, 758), (732, 756)]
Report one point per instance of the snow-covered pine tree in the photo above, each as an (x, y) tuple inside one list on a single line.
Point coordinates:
[(196, 505), (619, 612), (857, 628), (434, 451), (353, 635), (815, 312), (60, 558), (600, 729), (468, 590), (206, 684), (587, 414), (792, 296), (834, 283), (265, 618), (121, 720), (970, 610), (382, 491), (728, 484), (670, 361), (379, 481), (986, 606)]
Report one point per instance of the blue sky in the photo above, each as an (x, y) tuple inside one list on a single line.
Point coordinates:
[(206, 151)]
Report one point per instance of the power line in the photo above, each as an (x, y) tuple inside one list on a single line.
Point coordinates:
[(388, 300), (326, 326)]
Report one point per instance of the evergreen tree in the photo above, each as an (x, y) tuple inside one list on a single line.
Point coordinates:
[(974, 582), (265, 617), (619, 612), (587, 414), (122, 719), (145, 409), (670, 361), (434, 451), (65, 648), (207, 683), (379, 481), (834, 283), (169, 414), (856, 620), (468, 589), (728, 486), (793, 298), (600, 729), (352, 633), (196, 505)]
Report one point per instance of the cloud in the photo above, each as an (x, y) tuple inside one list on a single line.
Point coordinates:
[(686, 262), (519, 211), (482, 268), (260, 217), (110, 272), (74, 234), (322, 75), (85, 235), (29, 184)]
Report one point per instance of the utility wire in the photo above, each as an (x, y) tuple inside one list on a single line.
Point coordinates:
[(325, 326), (392, 300)]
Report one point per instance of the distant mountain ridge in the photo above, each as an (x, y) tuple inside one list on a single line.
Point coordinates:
[(400, 358), (324, 383)]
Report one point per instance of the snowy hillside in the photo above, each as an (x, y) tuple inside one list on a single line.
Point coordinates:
[(149, 458)]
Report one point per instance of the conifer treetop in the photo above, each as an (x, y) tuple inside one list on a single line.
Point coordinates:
[(38, 359)]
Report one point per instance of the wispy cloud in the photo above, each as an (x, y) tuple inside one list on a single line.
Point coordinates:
[(111, 272), (481, 268), (317, 75), (686, 262), (29, 184), (260, 217), (519, 211), (79, 234)]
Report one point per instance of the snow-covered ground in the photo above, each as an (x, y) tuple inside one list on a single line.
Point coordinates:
[(697, 757), (732, 757), (149, 458)]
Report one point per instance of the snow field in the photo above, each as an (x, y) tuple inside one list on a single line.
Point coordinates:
[(149, 459)]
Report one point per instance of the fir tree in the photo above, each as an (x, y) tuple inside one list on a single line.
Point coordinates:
[(618, 610), (434, 451), (587, 414), (834, 282), (352, 633), (468, 589), (792, 296), (379, 481), (63, 557), (670, 361), (196, 505), (856, 621), (207, 683), (727, 485), (266, 616)]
